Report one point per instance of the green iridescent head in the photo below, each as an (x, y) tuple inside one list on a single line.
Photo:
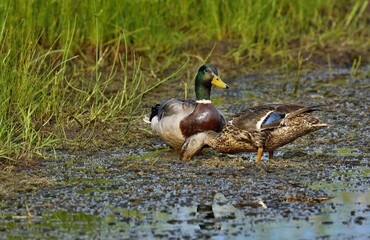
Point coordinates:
[(206, 77)]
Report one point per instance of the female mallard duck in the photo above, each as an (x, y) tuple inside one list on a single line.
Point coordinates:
[(257, 129), (176, 120)]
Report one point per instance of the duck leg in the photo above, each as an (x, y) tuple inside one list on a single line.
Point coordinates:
[(271, 154), (259, 155)]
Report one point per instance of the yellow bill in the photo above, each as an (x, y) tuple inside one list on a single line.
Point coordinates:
[(218, 82)]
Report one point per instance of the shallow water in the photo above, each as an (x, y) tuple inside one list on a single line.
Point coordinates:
[(316, 187)]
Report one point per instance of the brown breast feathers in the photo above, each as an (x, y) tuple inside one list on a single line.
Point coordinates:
[(204, 117)]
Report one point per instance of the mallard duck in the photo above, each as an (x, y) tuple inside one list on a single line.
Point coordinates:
[(175, 120), (257, 129)]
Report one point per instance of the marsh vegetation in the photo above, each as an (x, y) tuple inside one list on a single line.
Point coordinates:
[(74, 71)]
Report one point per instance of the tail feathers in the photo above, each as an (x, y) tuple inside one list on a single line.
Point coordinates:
[(154, 112), (321, 125), (146, 119), (305, 109), (318, 106)]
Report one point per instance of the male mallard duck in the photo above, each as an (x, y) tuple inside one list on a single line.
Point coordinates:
[(257, 129), (176, 120)]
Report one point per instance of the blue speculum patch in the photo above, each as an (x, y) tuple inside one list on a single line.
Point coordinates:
[(272, 118)]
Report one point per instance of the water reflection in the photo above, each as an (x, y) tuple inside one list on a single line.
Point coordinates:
[(342, 217)]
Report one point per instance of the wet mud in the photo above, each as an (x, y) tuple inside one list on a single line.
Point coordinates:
[(315, 188)]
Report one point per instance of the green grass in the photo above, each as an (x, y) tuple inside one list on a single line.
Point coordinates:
[(72, 64), (157, 28)]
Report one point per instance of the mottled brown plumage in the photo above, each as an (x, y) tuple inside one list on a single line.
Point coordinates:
[(258, 129)]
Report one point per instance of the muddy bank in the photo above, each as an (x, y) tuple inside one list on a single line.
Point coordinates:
[(116, 196), (316, 187)]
